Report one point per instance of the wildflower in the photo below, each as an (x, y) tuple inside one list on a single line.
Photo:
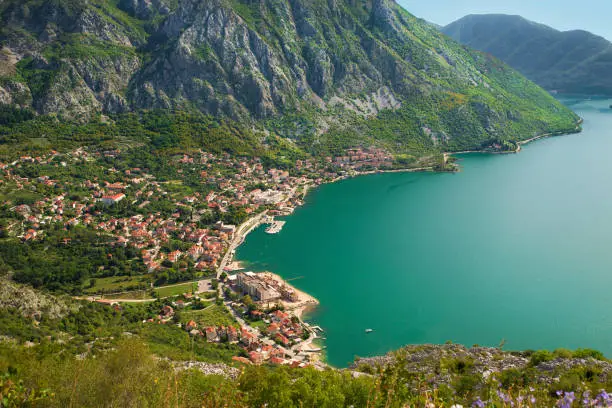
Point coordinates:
[(603, 398), (478, 403), (532, 399), (567, 400)]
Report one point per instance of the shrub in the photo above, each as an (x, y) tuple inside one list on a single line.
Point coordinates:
[(540, 356), (586, 353)]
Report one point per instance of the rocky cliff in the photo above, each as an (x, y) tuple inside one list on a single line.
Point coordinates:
[(331, 63)]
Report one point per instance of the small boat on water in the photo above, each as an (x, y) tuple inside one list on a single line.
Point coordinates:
[(369, 330)]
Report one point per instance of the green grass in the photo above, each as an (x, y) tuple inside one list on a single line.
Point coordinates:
[(116, 284), (213, 315), (135, 294), (174, 290), (258, 324)]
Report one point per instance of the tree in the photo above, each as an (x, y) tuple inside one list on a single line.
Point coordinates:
[(177, 316)]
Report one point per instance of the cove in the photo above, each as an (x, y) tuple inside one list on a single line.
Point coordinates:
[(514, 248)]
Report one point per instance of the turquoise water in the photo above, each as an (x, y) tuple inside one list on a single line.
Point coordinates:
[(514, 247)]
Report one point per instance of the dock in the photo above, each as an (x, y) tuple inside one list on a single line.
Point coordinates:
[(275, 227)]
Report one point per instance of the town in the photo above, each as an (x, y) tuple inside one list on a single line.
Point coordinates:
[(267, 324), (125, 204), (182, 224)]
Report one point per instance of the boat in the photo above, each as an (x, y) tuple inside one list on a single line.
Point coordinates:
[(369, 330)]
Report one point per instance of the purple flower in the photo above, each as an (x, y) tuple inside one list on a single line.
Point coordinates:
[(604, 398), (559, 393), (567, 400), (532, 399), (478, 403)]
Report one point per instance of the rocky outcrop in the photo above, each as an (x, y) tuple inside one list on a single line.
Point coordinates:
[(208, 368), (253, 60), (30, 302), (144, 9), (15, 93), (440, 363)]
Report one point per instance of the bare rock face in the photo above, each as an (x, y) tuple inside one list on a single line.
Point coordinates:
[(70, 95), (144, 9), (91, 22), (442, 363), (15, 93), (382, 15), (251, 60), (108, 79), (31, 303)]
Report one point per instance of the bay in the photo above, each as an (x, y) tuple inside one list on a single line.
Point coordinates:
[(514, 248)]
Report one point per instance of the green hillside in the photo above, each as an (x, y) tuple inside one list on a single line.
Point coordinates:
[(327, 75)]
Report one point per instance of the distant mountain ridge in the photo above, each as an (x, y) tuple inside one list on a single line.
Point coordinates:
[(566, 61)]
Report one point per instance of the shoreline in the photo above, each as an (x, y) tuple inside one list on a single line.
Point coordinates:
[(304, 302), (308, 302), (524, 142)]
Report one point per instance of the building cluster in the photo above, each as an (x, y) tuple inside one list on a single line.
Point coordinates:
[(230, 183), (275, 345), (374, 158)]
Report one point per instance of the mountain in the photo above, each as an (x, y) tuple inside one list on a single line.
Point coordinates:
[(321, 72), (570, 61)]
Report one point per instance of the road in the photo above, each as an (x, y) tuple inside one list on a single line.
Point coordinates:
[(241, 232)]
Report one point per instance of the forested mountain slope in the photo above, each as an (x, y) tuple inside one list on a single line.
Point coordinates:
[(571, 61), (319, 72)]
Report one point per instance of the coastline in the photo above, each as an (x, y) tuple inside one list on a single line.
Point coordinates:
[(304, 302), (524, 142), (307, 302)]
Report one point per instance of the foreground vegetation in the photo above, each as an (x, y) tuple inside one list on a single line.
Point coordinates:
[(58, 352), (130, 375)]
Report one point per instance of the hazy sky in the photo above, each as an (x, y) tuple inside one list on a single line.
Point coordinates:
[(591, 15)]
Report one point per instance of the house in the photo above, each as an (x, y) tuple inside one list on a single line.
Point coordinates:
[(112, 199), (167, 311), (232, 334), (282, 339), (211, 334), (191, 325), (247, 338), (241, 360), (279, 316), (196, 251), (273, 328), (174, 256), (256, 357), (266, 350)]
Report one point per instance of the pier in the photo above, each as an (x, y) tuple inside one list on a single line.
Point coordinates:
[(275, 227)]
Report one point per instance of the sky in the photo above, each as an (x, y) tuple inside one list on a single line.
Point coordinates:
[(590, 15)]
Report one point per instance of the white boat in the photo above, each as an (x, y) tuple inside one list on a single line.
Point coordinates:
[(369, 330)]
